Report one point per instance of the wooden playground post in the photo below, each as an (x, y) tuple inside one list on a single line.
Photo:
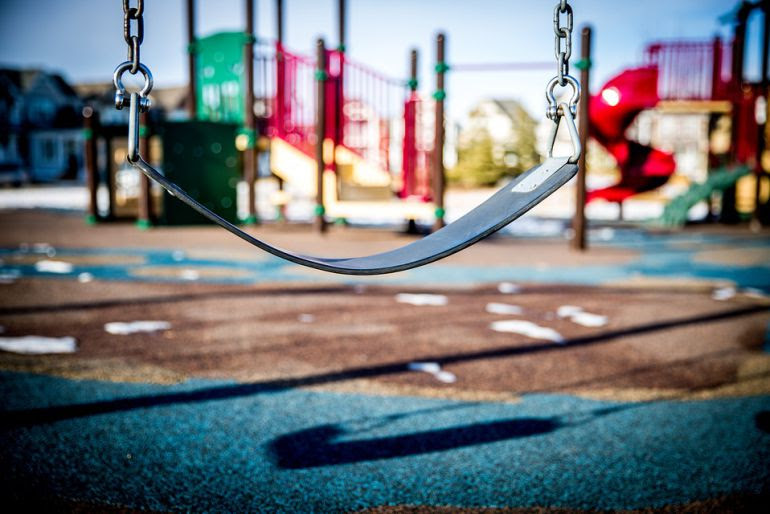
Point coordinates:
[(320, 133), (250, 155), (438, 146), (192, 101), (280, 70), (729, 213), (90, 128), (144, 209), (579, 221), (339, 95), (760, 173)]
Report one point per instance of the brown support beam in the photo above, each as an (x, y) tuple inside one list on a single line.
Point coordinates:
[(729, 212), (579, 241), (144, 207), (110, 177), (760, 212), (439, 180), (280, 70), (341, 23), (90, 131), (192, 100), (250, 155), (320, 125)]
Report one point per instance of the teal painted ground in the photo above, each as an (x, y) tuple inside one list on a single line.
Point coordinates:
[(218, 446), (660, 256)]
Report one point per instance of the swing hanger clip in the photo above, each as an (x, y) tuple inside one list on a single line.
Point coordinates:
[(132, 15)]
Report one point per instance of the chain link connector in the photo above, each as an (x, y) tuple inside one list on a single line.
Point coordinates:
[(121, 97), (552, 112)]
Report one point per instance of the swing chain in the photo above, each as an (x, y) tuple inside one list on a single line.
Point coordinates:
[(133, 41), (137, 101), (567, 110), (562, 33), (562, 52), (133, 64)]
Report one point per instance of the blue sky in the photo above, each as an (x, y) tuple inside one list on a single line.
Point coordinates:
[(83, 38)]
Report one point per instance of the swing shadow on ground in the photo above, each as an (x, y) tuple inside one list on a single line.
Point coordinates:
[(315, 446), (43, 415)]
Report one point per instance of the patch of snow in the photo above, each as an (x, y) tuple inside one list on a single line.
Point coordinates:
[(565, 311), (588, 319), (38, 345), (306, 318), (425, 367), (433, 368), (45, 248), (723, 293), (9, 276), (422, 299), (503, 308), (527, 328), (189, 274), (446, 376), (579, 316), (85, 277), (48, 266), (508, 288), (132, 327), (753, 292)]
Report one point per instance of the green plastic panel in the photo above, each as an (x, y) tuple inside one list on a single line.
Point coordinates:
[(201, 157), (220, 80)]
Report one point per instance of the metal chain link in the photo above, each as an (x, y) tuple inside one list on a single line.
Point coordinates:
[(562, 33), (139, 101), (133, 40), (562, 52)]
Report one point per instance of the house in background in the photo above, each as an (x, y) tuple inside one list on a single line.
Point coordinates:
[(498, 140), (41, 139)]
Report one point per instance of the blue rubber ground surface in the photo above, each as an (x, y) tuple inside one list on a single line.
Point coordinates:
[(661, 256), (222, 446), (228, 447)]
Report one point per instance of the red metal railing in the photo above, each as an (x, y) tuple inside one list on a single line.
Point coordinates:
[(691, 70), (366, 112)]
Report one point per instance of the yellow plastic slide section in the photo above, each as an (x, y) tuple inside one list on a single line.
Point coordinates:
[(356, 170), (402, 209), (296, 168), (293, 166)]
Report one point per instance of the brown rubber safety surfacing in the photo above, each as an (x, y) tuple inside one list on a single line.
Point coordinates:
[(656, 343)]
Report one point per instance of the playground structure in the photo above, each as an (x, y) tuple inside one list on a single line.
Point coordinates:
[(377, 150), (682, 77)]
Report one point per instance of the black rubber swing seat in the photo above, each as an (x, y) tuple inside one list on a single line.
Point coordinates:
[(510, 202)]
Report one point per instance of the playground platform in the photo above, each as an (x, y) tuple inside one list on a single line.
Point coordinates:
[(515, 375)]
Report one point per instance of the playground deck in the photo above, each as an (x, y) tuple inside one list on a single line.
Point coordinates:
[(280, 389)]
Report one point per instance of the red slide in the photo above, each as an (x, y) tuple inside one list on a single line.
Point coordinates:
[(642, 168)]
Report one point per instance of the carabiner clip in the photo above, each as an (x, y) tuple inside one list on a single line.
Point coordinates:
[(564, 111)]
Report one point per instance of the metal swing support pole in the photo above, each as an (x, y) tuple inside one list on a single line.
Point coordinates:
[(320, 133), (579, 223), (439, 180), (192, 100), (760, 214), (90, 130), (250, 154)]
